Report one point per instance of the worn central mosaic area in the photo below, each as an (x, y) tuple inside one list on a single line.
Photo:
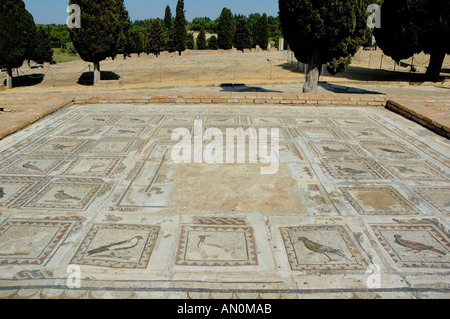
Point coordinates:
[(95, 189)]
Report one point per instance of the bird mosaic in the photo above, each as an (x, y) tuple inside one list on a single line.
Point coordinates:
[(2, 192), (60, 147), (388, 150), (113, 248), (415, 246), (321, 249), (350, 171), (31, 167), (61, 195), (331, 150)]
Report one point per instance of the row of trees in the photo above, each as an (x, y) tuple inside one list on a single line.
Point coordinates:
[(20, 39), (331, 32)]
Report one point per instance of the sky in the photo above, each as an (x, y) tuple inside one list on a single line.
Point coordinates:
[(54, 11)]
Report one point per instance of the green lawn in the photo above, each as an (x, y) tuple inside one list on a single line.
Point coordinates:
[(63, 55)]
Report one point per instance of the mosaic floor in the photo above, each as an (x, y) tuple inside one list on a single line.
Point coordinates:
[(93, 206)]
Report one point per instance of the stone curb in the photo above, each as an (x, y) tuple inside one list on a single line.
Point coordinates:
[(410, 114)]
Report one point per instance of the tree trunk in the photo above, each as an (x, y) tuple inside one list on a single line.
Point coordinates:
[(435, 66), (97, 73), (313, 73), (9, 78)]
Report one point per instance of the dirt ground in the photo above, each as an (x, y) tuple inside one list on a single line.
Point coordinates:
[(207, 68)]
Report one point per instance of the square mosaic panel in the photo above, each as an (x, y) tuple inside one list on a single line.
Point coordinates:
[(216, 246), (138, 120), (388, 150), (93, 166), (321, 248), (178, 120), (14, 191), (69, 193), (290, 152), (353, 122), (268, 121), (305, 121), (335, 149), (114, 146), (414, 245), (415, 171), (117, 246), (32, 165), (31, 241), (320, 133), (378, 200), (125, 131), (437, 197), (81, 131), (222, 120), (354, 170), (100, 119), (61, 146), (365, 134), (164, 133)]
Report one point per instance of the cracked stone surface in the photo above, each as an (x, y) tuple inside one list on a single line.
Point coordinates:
[(358, 208)]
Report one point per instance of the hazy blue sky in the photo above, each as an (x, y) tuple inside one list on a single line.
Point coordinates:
[(54, 11)]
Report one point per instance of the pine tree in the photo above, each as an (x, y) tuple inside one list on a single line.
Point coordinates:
[(261, 32), (101, 30), (326, 31), (180, 33), (201, 40), (15, 25), (157, 37), (226, 30), (243, 36), (43, 51), (409, 27)]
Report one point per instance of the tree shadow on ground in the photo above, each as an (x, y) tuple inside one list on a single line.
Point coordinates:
[(87, 78), (238, 87), (336, 88), (26, 80), (359, 73)]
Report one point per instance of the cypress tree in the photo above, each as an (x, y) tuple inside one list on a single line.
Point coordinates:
[(125, 25), (190, 41), (326, 31), (201, 40), (226, 30), (212, 43), (180, 34), (261, 32), (243, 36), (157, 37), (168, 23), (15, 25), (100, 32)]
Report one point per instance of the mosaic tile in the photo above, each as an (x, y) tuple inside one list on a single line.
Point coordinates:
[(31, 242), (321, 248), (117, 246), (216, 246), (414, 245), (378, 200), (354, 170)]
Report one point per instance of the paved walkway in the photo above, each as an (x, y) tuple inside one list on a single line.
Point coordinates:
[(358, 206)]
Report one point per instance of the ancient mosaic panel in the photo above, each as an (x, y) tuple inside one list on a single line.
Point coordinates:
[(33, 242), (322, 248), (66, 193), (92, 166), (16, 190), (31, 165), (117, 246), (203, 245), (388, 150), (378, 200), (437, 197), (354, 170), (414, 245)]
